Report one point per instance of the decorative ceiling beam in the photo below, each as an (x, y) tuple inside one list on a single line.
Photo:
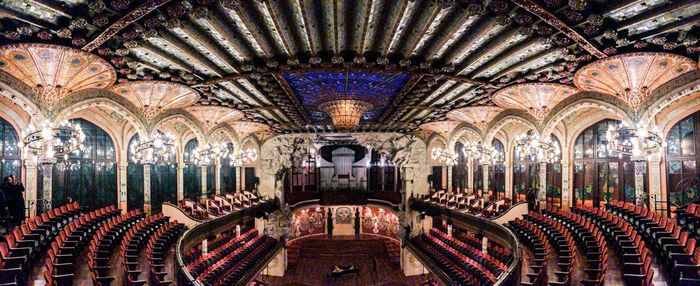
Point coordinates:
[(230, 35), (670, 27), (359, 13), (290, 94), (524, 63), (123, 22), (467, 43), (192, 53), (371, 27), (236, 18), (490, 49), (654, 13), (5, 13), (262, 12), (495, 61), (283, 25), (451, 34), (306, 21), (400, 26), (198, 35), (432, 21), (394, 104), (553, 21), (178, 63)]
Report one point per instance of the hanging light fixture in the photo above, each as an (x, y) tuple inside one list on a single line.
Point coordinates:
[(160, 147), (443, 155), (243, 156), (483, 155), (544, 151), (640, 143), (49, 142), (208, 153), (345, 113)]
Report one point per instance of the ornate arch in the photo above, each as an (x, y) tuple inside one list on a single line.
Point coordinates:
[(178, 115), (587, 103), (462, 129), (21, 95), (223, 128), (505, 119), (671, 92), (106, 99)]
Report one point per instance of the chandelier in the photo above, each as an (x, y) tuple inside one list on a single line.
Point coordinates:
[(443, 155), (640, 143), (208, 153), (345, 113), (483, 155), (55, 72), (243, 156), (49, 142), (159, 148), (544, 151)]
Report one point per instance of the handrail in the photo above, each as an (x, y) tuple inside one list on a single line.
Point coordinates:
[(201, 231), (507, 210), (434, 269), (492, 230), (260, 264)]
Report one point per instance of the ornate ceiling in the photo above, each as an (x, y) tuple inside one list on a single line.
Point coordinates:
[(447, 54)]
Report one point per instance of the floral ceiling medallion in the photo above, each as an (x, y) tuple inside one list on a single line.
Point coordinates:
[(480, 116), (632, 77), (444, 128), (55, 72), (156, 97), (537, 99), (212, 116)]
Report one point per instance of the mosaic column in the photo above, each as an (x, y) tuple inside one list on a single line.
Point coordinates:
[(30, 185), (565, 191), (655, 181), (147, 188), (640, 169), (217, 176), (204, 181), (121, 194), (449, 178), (509, 180), (180, 182), (47, 170), (470, 175), (485, 179), (238, 179), (542, 194)]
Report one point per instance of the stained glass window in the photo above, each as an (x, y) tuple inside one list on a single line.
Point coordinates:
[(10, 163), (553, 191), (497, 181), (134, 180), (228, 173), (192, 173), (526, 176), (681, 162)]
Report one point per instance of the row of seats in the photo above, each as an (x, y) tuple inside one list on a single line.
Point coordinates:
[(70, 242), (17, 256), (632, 251), (493, 267), (470, 203), (104, 242), (499, 252), (673, 243), (133, 243), (157, 247), (212, 244), (461, 269), (688, 216), (219, 204), (213, 255), (533, 237), (592, 243), (562, 242)]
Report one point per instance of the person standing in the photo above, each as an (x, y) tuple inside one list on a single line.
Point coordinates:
[(16, 206)]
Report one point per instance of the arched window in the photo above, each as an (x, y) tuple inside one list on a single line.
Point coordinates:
[(600, 175), (228, 173), (10, 163), (554, 178), (497, 174), (478, 175), (211, 179), (526, 174), (460, 170), (192, 173), (163, 182), (682, 161), (134, 180), (90, 176)]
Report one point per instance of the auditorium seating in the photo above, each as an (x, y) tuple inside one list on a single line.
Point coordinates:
[(535, 239), (226, 263), (103, 243), (474, 204), (219, 205), (133, 244), (561, 241), (156, 249)]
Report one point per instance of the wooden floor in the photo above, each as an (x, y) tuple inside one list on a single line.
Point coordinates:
[(318, 255)]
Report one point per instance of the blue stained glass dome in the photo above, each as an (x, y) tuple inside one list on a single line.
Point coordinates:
[(379, 89)]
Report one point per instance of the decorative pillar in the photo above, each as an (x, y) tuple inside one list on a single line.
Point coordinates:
[(565, 185), (122, 192), (509, 180), (449, 178), (470, 175), (542, 194), (147, 188), (485, 179), (30, 187), (396, 178), (239, 179), (382, 171), (47, 181), (640, 169), (204, 181), (217, 176), (654, 182), (180, 182)]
